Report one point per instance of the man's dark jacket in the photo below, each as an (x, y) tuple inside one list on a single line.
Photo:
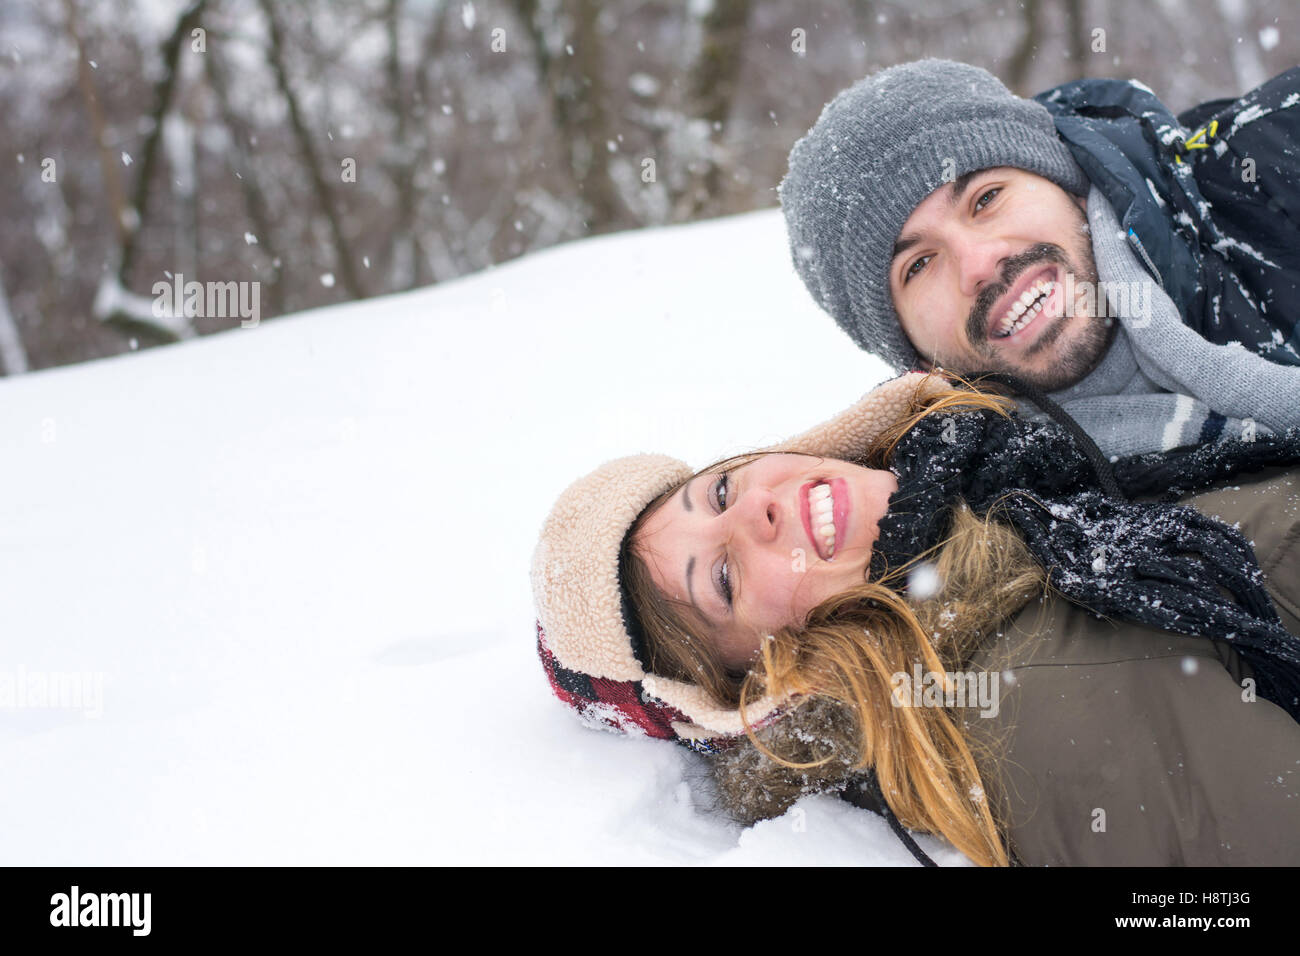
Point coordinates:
[(1209, 199)]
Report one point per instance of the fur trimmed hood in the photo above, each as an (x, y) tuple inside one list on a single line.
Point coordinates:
[(582, 633)]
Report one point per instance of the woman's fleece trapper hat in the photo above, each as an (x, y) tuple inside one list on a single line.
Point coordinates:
[(880, 148), (583, 637)]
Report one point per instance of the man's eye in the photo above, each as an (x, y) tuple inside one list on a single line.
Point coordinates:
[(913, 270), (980, 204)]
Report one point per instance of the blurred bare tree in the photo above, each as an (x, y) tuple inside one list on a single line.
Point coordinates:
[(330, 150)]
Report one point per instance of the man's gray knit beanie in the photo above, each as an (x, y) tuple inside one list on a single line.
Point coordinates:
[(878, 149)]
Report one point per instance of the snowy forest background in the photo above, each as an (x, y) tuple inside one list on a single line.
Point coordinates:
[(335, 151)]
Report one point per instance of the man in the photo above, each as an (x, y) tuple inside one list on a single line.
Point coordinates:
[(1145, 275)]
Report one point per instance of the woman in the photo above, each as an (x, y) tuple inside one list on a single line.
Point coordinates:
[(813, 647)]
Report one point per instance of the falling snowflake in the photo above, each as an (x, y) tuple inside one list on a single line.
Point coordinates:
[(643, 84), (923, 581)]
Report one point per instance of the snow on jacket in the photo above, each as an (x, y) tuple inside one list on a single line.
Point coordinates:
[(1120, 744), (1209, 199)]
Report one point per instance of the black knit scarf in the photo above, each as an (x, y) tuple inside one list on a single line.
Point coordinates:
[(1158, 563)]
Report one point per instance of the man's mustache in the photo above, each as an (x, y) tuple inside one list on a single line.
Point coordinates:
[(1012, 268)]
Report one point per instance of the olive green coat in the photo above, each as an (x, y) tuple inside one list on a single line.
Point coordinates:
[(1120, 744)]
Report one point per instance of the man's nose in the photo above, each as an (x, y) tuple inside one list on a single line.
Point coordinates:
[(979, 261)]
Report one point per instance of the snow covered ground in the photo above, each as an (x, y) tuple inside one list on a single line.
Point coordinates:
[(294, 560)]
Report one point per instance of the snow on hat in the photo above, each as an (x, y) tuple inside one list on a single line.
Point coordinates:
[(583, 634)]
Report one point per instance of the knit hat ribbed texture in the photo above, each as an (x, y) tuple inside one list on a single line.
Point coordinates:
[(880, 148)]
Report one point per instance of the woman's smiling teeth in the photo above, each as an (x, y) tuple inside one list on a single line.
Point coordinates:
[(821, 507), (1024, 309)]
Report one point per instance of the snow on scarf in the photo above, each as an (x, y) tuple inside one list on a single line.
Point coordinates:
[(1157, 564)]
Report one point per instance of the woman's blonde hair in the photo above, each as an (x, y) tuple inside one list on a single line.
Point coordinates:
[(840, 663)]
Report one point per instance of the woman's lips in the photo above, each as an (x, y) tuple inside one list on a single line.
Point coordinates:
[(840, 491), (840, 507), (805, 513)]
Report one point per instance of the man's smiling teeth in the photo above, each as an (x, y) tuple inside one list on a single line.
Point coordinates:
[(822, 507), (1024, 309)]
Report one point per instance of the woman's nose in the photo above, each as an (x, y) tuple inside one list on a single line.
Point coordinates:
[(759, 515)]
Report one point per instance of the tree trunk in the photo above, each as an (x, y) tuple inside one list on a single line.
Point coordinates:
[(342, 249), (256, 202), (1079, 37), (164, 90), (712, 90), (1018, 67), (574, 85), (108, 163), (13, 357)]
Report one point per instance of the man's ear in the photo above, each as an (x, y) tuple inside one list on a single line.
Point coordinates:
[(1082, 201)]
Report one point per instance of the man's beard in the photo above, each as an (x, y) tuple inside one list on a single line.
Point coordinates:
[(1077, 358)]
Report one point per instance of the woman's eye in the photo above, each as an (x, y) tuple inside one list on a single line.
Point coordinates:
[(724, 581), (723, 577), (722, 484), (980, 204)]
